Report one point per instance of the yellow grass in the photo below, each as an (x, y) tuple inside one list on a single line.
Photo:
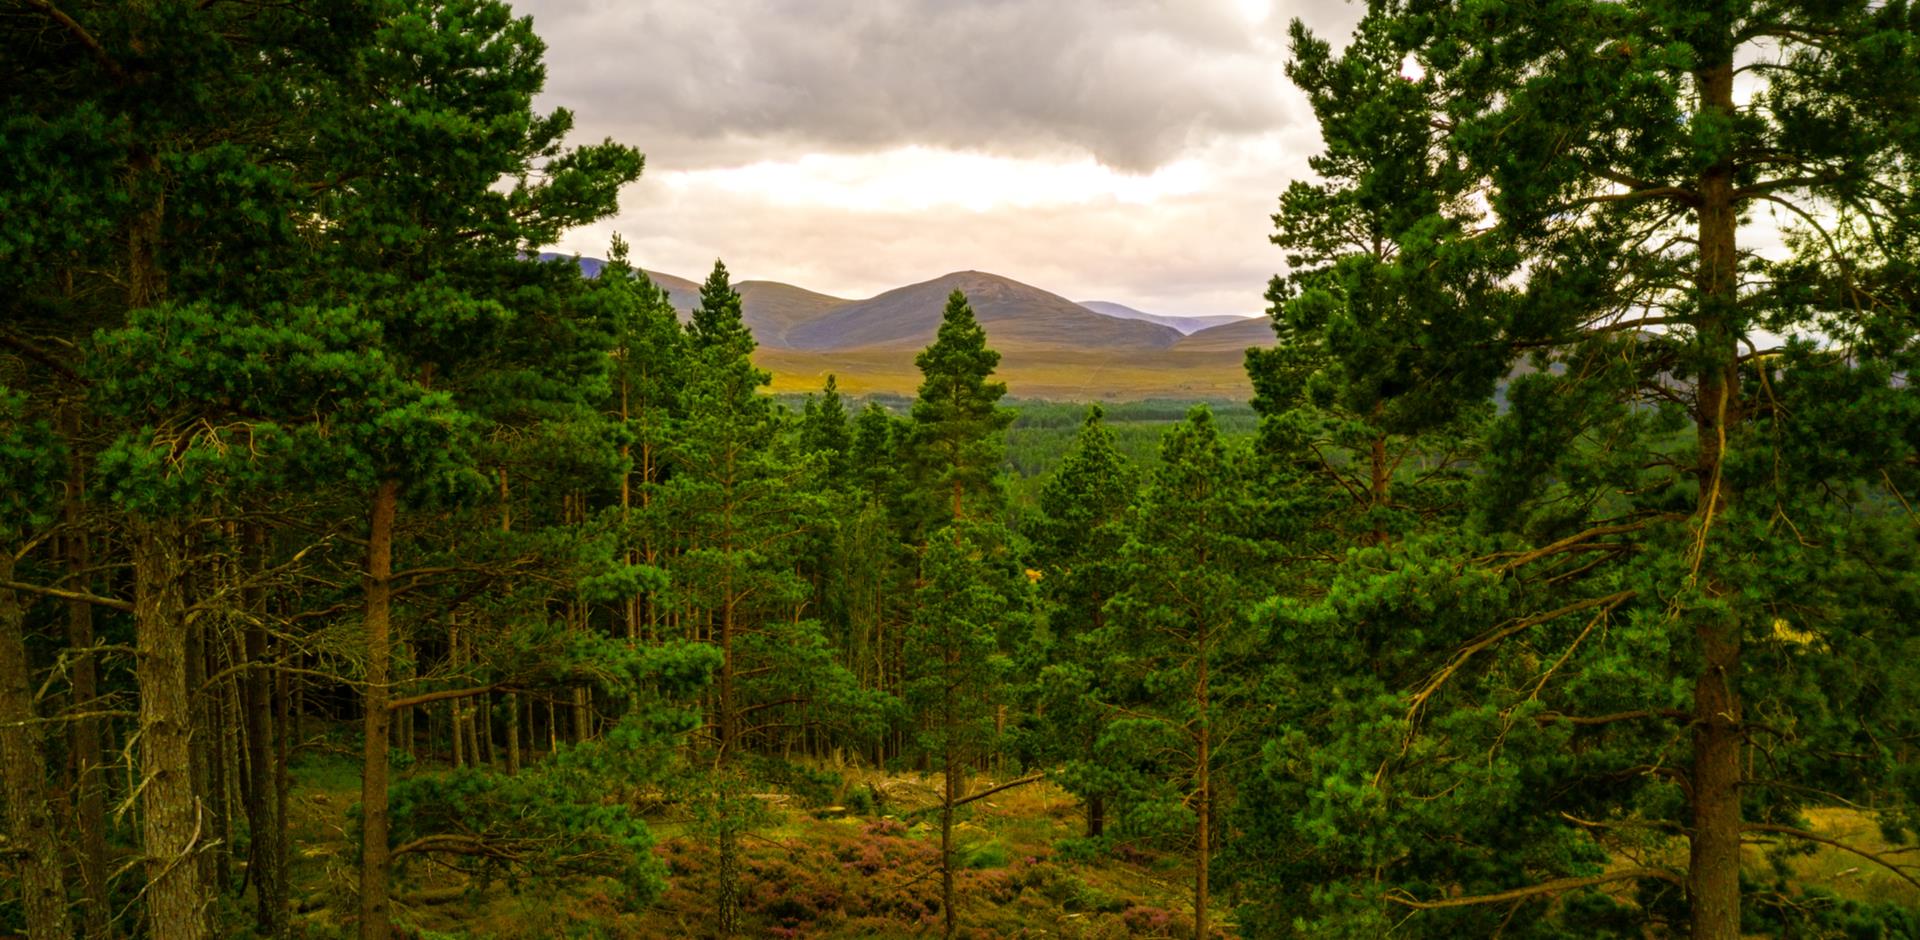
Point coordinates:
[(1056, 375)]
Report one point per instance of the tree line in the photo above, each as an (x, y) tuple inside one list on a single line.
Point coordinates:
[(1573, 559)]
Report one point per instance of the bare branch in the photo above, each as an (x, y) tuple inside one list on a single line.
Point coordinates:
[(67, 595)]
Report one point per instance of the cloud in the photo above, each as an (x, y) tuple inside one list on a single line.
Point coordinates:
[(1125, 150), (1130, 83)]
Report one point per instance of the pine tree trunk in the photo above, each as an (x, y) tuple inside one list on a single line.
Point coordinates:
[(284, 706), (513, 733), (950, 791), (173, 822), (23, 770), (375, 863), (455, 706), (266, 865), (1380, 484), (1713, 874), (83, 734), (724, 708), (1204, 801)]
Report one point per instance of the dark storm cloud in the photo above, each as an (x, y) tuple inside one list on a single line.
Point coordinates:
[(1131, 82)]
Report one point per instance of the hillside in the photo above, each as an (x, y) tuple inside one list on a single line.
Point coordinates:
[(1015, 315), (1186, 325), (682, 293), (772, 309), (1231, 337)]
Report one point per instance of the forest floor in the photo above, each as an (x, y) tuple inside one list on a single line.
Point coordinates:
[(816, 870)]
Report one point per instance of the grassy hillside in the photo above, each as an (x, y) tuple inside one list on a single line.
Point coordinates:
[(1230, 337)]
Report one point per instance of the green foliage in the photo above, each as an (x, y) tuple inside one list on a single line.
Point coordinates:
[(30, 466)]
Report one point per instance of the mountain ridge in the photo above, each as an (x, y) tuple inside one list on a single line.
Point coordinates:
[(1186, 325)]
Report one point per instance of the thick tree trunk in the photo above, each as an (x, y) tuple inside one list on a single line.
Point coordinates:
[(23, 770), (375, 862), (1713, 875), (83, 734), (173, 822)]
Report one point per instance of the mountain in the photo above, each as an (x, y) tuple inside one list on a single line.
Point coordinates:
[(772, 309), (1186, 325), (682, 293), (1015, 315), (1231, 337)]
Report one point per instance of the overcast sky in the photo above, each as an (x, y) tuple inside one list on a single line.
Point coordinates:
[(1123, 150)]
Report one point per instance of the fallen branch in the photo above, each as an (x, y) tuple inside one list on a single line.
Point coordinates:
[(983, 794)]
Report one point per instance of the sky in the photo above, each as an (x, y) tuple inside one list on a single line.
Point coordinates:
[(1121, 150)]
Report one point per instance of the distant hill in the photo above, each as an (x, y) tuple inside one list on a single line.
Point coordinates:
[(1186, 325), (1051, 346), (683, 294), (1257, 331), (772, 309), (1015, 315)]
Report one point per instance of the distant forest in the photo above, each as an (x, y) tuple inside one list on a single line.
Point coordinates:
[(364, 575)]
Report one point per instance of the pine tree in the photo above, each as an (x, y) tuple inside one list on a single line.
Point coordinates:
[(649, 368), (1390, 315), (731, 487), (824, 430), (431, 243), (957, 421), (1672, 532)]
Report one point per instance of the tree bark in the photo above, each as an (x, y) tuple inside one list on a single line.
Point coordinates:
[(1713, 875), (173, 823), (23, 770), (375, 861)]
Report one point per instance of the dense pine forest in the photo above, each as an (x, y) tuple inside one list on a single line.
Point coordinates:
[(364, 575)]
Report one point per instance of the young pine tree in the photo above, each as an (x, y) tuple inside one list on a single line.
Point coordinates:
[(958, 424), (971, 592), (1076, 542)]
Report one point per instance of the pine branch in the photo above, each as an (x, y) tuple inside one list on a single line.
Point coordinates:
[(1557, 886), (1875, 858)]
